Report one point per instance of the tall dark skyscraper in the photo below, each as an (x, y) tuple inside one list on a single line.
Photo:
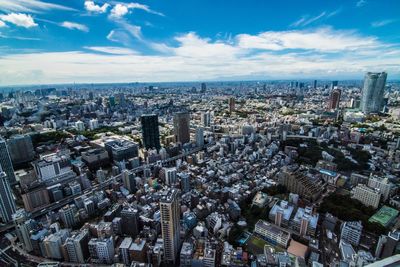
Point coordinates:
[(372, 93), (21, 149), (315, 84), (334, 99), (203, 87), (231, 103), (181, 127), (150, 131), (5, 162), (7, 202)]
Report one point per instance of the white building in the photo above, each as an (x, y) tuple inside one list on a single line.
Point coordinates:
[(382, 184), (80, 126), (93, 124), (366, 195), (272, 233)]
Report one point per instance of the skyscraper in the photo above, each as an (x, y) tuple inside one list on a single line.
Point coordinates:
[(372, 93), (334, 84), (315, 84), (21, 149), (206, 119), (22, 229), (181, 127), (5, 162), (334, 99), (130, 221), (231, 103), (203, 87), (7, 202), (150, 131), (170, 216), (200, 136)]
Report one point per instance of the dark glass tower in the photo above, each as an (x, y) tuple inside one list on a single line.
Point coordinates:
[(150, 131), (5, 162)]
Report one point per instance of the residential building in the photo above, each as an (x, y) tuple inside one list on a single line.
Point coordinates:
[(170, 224), (351, 232)]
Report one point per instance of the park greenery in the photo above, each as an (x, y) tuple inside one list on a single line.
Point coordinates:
[(348, 209)]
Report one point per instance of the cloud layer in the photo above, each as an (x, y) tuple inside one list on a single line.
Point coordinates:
[(322, 52)]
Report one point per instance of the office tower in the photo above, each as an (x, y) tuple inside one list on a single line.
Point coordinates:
[(372, 93), (170, 217), (334, 99), (5, 162), (185, 181), (120, 150), (93, 124), (53, 242), (182, 127), (387, 245), (124, 250), (200, 136), (20, 148), (231, 103), (334, 84), (315, 84), (22, 229), (80, 126), (111, 100), (170, 175), (67, 216), (7, 202), (102, 250), (351, 232), (129, 221), (203, 87), (150, 131), (206, 119), (128, 179)]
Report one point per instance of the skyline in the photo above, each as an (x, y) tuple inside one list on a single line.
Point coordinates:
[(153, 41)]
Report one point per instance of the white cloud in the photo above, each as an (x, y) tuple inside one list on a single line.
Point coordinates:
[(267, 55), (361, 3), (32, 6), (2, 24), (112, 50), (74, 26), (118, 11), (92, 7), (121, 9), (19, 19), (381, 23), (322, 39)]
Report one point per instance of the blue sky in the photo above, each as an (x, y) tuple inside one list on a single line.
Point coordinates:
[(44, 42)]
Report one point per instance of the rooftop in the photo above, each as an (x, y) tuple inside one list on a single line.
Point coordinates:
[(384, 216)]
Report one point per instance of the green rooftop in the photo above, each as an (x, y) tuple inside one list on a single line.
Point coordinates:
[(385, 216)]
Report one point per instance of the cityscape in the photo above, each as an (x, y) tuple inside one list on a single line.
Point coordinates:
[(277, 148)]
